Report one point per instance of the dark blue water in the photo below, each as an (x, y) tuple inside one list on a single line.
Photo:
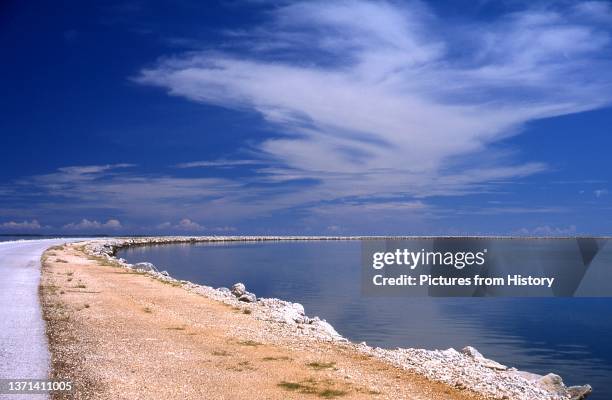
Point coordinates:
[(568, 336), (10, 238)]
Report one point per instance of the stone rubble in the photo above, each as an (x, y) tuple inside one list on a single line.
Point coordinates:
[(141, 266), (238, 289), (248, 298), (467, 369), (476, 356)]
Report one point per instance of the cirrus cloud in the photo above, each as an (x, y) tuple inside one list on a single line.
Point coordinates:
[(382, 98)]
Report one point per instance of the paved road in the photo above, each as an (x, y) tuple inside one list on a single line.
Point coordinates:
[(23, 344)]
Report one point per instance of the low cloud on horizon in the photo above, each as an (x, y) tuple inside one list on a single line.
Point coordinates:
[(87, 225)]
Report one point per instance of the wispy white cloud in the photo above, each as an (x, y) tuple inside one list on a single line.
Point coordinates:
[(187, 225), (77, 173), (22, 225), (376, 108), (596, 10), (546, 230), (112, 187), (150, 198), (509, 210), (381, 99), (86, 224), (359, 206), (600, 192), (222, 163), (164, 225)]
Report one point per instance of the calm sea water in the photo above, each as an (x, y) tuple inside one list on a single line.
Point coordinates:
[(568, 336), (18, 237), (10, 238)]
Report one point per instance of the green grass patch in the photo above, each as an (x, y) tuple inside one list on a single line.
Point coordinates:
[(249, 343), (321, 365), (281, 358), (52, 289), (293, 386), (171, 283), (127, 272), (310, 386), (56, 248), (176, 328), (331, 393), (241, 366)]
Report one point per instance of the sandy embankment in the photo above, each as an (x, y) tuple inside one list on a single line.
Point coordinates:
[(121, 333)]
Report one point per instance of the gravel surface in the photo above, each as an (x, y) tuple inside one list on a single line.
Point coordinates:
[(237, 316)]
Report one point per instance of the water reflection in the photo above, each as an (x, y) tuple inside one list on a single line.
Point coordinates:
[(566, 335)]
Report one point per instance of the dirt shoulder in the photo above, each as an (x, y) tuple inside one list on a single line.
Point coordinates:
[(119, 334)]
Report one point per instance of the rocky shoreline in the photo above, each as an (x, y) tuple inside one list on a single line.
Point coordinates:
[(465, 369)]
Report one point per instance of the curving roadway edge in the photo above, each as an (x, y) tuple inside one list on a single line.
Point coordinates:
[(24, 350)]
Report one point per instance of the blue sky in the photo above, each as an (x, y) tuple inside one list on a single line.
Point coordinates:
[(317, 117)]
